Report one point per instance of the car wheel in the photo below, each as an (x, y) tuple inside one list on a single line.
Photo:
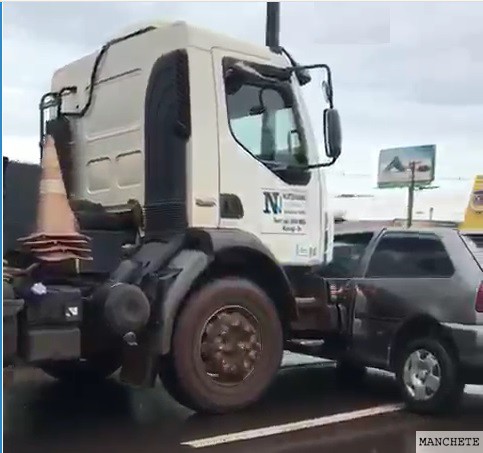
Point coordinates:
[(227, 347), (428, 377)]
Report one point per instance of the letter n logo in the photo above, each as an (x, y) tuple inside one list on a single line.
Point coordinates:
[(273, 203)]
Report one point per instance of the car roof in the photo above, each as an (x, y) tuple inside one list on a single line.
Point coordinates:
[(375, 229), (360, 227)]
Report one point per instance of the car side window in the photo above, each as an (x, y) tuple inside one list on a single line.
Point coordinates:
[(347, 255), (410, 256)]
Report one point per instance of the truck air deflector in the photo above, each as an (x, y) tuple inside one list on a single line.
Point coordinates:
[(166, 134)]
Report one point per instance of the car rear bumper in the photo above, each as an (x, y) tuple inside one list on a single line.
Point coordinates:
[(469, 342)]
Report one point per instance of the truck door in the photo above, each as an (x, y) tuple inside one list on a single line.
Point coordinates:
[(408, 273), (261, 140)]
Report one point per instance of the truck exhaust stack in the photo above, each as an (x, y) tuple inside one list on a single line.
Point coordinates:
[(57, 238)]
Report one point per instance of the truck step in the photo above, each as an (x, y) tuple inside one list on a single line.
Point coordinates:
[(316, 348), (315, 316), (306, 301), (306, 347)]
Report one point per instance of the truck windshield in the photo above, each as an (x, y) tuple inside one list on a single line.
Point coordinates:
[(263, 120)]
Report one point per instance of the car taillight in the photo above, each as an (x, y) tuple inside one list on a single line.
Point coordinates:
[(479, 299)]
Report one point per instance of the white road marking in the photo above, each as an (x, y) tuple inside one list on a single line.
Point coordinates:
[(294, 426)]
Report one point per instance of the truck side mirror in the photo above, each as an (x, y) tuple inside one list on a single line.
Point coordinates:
[(332, 133)]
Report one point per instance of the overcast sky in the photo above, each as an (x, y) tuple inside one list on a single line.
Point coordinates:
[(404, 73)]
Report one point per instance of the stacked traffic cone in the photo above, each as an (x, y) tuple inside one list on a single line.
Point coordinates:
[(56, 238)]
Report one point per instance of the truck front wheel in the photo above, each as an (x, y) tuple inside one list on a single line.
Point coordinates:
[(227, 347)]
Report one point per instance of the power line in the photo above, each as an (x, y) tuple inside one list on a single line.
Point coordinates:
[(367, 175)]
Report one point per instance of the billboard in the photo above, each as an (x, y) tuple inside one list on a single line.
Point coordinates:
[(394, 169)]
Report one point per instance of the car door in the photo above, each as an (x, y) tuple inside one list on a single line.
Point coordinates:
[(348, 252), (407, 274)]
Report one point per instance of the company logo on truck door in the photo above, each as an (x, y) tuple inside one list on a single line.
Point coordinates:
[(273, 203), (285, 212)]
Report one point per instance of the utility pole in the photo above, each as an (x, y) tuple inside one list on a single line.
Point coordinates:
[(411, 188)]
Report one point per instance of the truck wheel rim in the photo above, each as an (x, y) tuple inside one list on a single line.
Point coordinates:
[(422, 375), (230, 345)]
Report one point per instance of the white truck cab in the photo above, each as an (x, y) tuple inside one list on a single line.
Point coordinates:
[(193, 176), (202, 130)]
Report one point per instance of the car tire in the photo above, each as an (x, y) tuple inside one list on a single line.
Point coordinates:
[(82, 371), (227, 347), (428, 377)]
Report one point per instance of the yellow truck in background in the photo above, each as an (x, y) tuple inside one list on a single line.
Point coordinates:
[(474, 212)]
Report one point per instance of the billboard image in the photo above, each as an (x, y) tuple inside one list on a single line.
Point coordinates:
[(476, 202), (394, 169), (474, 212)]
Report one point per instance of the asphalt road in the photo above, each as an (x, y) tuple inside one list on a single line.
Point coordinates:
[(43, 415)]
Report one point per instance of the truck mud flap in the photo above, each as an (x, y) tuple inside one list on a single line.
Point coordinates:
[(167, 288), (189, 265)]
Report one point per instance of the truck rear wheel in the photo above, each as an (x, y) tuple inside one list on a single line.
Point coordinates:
[(227, 347), (428, 377)]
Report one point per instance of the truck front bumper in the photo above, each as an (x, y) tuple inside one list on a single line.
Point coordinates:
[(469, 342), (39, 328)]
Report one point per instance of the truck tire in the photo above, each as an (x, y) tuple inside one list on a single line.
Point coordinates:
[(79, 372), (169, 380), (227, 347), (428, 376)]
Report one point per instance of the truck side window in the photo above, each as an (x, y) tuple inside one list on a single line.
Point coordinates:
[(410, 256), (263, 122)]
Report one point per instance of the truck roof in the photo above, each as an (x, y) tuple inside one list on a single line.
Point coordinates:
[(198, 37), (181, 34)]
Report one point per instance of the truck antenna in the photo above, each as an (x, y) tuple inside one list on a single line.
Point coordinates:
[(272, 30)]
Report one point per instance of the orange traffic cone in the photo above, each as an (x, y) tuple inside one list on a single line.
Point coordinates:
[(56, 237)]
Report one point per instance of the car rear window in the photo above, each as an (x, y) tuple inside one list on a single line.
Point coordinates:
[(475, 245), (410, 255)]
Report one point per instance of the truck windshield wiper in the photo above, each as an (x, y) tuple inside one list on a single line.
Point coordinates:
[(279, 166)]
